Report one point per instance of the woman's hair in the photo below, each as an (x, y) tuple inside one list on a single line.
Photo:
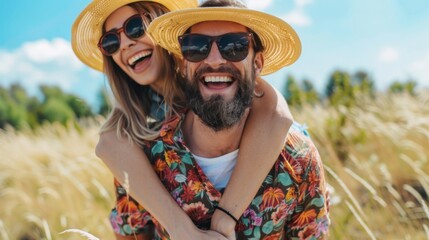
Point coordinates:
[(130, 113)]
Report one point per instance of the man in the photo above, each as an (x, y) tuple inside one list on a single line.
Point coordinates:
[(224, 49)]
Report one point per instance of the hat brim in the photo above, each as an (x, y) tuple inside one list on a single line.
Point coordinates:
[(282, 46), (87, 28)]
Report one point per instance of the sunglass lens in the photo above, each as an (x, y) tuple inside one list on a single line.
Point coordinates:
[(234, 47), (134, 27), (195, 48), (110, 43)]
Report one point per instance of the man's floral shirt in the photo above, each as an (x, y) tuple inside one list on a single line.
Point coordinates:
[(290, 204)]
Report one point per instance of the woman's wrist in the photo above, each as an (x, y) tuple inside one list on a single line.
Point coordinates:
[(226, 212), (223, 223)]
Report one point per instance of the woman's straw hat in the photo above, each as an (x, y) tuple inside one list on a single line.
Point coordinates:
[(87, 28), (282, 46)]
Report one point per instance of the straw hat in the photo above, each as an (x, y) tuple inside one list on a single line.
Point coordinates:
[(87, 28), (282, 46)]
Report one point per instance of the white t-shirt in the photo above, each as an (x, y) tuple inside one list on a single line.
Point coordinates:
[(218, 169)]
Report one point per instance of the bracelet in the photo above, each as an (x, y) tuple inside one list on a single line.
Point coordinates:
[(227, 213)]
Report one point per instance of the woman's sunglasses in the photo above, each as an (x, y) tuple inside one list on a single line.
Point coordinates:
[(233, 47), (133, 28)]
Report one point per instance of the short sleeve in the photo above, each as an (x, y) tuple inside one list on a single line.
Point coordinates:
[(128, 217), (310, 219)]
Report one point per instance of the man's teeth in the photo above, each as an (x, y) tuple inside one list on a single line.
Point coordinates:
[(217, 79), (134, 58)]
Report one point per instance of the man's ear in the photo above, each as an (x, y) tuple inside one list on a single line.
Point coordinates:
[(258, 62)]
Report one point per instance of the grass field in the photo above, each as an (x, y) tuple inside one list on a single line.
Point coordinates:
[(376, 156)]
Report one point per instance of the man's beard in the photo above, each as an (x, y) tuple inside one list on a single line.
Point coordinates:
[(216, 112)]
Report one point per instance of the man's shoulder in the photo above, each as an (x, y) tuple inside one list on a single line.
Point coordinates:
[(298, 138), (299, 147)]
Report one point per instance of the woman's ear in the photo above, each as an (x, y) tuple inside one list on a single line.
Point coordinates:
[(258, 63)]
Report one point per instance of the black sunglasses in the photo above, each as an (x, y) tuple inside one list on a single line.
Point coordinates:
[(133, 28), (233, 47)]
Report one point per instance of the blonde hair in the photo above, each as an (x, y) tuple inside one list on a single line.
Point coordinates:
[(130, 115)]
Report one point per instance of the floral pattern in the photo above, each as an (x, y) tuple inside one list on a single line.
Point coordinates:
[(290, 204)]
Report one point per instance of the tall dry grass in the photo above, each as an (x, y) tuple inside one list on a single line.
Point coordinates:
[(375, 153), (376, 156), (50, 181)]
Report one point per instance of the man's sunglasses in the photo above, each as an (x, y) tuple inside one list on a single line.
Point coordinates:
[(133, 28), (233, 47)]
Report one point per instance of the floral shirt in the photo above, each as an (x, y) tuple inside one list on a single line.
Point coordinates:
[(290, 204)]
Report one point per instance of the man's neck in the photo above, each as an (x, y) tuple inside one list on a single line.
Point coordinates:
[(205, 142)]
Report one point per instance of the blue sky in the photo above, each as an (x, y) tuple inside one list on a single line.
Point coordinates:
[(387, 38)]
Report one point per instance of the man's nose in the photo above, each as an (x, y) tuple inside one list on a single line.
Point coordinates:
[(214, 58)]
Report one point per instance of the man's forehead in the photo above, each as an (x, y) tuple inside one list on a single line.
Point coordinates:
[(217, 27)]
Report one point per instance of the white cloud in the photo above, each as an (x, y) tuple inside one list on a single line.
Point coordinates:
[(388, 55), (297, 15), (298, 18), (41, 62), (258, 4), (303, 3)]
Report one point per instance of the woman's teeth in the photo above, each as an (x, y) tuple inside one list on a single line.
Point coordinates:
[(133, 60)]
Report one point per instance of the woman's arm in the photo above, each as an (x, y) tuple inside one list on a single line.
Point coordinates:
[(129, 164), (262, 141)]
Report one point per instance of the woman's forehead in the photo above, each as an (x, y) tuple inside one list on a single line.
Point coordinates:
[(119, 16)]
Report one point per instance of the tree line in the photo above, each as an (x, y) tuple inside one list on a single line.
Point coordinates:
[(342, 88), (20, 110)]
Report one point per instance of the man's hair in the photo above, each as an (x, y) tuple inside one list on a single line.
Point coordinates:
[(223, 3), (238, 4)]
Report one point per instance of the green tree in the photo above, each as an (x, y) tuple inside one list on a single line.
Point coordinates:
[(364, 83), (77, 105), (398, 87), (310, 93), (18, 94), (56, 110), (339, 89), (293, 93), (410, 87), (104, 103), (12, 112), (19, 110)]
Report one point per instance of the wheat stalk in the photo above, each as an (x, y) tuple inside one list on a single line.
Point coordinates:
[(82, 233), (346, 189), (360, 220), (425, 227), (3, 232)]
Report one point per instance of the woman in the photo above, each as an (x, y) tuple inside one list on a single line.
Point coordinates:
[(143, 81)]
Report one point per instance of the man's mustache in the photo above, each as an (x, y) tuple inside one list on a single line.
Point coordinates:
[(222, 69)]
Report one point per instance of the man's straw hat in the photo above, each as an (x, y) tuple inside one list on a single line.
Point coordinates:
[(282, 46), (87, 28)]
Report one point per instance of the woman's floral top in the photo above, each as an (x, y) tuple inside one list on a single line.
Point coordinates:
[(290, 204)]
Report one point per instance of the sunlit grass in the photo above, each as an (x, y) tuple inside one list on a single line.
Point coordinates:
[(50, 181), (381, 180), (376, 157)]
